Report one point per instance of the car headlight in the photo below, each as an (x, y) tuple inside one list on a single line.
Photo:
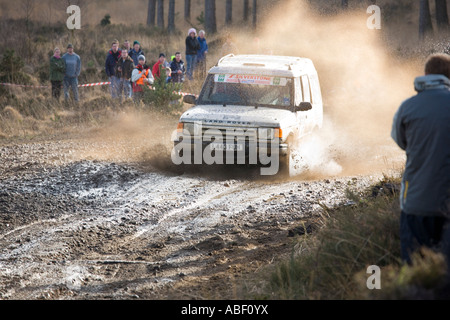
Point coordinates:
[(189, 127)]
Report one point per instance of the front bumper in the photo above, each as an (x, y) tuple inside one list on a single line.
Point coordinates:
[(248, 152)]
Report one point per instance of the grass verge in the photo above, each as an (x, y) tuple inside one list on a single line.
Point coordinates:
[(332, 262)]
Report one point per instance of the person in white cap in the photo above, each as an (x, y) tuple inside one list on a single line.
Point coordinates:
[(201, 55), (141, 75), (192, 47)]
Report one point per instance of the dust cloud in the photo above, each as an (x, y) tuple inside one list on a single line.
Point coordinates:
[(362, 84), (133, 136)]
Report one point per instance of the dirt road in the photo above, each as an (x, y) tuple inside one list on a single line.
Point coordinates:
[(89, 218)]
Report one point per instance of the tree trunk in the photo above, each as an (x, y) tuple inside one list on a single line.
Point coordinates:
[(425, 25), (171, 18), (210, 16), (246, 10), (229, 12), (187, 10), (151, 13), (161, 14), (255, 11), (441, 14)]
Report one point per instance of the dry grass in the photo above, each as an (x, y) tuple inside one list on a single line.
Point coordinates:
[(332, 262)]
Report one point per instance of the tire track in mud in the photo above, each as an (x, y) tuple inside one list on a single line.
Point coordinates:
[(99, 229)]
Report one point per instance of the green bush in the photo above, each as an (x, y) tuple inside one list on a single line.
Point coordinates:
[(106, 20), (163, 97), (11, 69)]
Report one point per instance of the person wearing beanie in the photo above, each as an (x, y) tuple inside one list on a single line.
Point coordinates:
[(57, 72), (192, 48), (140, 77), (136, 52), (73, 70)]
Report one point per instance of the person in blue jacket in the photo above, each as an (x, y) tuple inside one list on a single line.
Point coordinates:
[(73, 69), (421, 127), (112, 58), (136, 52), (201, 54)]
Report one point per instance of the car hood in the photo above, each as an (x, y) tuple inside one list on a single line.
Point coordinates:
[(239, 116)]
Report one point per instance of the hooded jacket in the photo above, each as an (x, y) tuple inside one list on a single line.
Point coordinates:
[(421, 127), (133, 54)]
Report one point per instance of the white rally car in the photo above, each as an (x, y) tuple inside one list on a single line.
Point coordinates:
[(252, 109)]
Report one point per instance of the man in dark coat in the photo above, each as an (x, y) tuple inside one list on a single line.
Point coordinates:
[(110, 67), (178, 69)]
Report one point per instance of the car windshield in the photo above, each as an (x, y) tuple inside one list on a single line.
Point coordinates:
[(250, 90)]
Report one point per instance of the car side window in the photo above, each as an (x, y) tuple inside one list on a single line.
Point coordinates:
[(306, 89)]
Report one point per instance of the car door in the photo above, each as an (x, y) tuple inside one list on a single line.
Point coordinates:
[(304, 118)]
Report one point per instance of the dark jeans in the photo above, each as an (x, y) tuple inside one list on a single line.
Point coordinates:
[(191, 60), (417, 231), (71, 83), (56, 89)]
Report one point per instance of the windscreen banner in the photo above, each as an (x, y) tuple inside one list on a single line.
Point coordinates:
[(250, 79)]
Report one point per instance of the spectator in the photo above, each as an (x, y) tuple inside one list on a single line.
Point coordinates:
[(168, 75), (156, 71), (57, 72), (126, 46), (192, 47), (201, 54), (110, 68), (421, 127), (141, 76), (124, 69), (178, 69), (73, 69), (136, 52)]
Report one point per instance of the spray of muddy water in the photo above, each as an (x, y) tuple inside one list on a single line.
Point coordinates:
[(362, 85)]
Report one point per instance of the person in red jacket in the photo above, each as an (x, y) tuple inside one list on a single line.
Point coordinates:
[(160, 64)]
